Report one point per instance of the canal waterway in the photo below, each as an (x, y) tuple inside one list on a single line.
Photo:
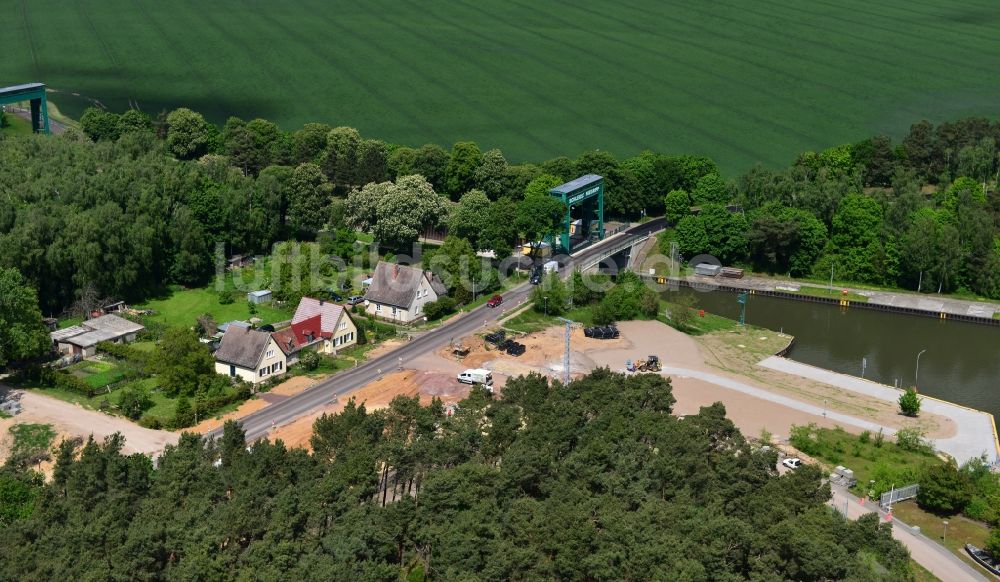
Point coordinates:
[(961, 363)]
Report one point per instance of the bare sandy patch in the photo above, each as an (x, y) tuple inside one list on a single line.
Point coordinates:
[(426, 385), (72, 421)]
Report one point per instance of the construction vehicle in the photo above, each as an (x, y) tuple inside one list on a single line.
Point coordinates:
[(650, 364)]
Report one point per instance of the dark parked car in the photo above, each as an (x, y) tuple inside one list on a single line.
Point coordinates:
[(536, 275), (334, 296)]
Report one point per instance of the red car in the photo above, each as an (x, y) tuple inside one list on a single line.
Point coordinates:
[(494, 301)]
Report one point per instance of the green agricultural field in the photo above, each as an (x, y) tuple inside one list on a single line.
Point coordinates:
[(743, 82)]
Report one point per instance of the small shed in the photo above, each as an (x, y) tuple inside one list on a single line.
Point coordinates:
[(225, 326), (262, 296), (707, 269)]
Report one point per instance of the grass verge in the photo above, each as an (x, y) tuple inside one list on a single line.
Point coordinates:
[(870, 457), (837, 293), (31, 440), (531, 321), (961, 530)]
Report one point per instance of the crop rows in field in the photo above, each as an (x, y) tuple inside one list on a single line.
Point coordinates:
[(744, 82)]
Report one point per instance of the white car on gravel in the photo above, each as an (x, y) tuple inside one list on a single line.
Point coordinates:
[(792, 462)]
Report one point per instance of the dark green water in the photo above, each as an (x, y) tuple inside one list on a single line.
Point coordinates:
[(961, 364)]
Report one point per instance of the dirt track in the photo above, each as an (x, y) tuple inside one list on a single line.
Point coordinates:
[(70, 420)]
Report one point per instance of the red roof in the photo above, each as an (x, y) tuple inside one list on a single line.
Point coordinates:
[(328, 312), (299, 334)]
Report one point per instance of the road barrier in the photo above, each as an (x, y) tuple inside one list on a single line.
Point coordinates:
[(895, 495)]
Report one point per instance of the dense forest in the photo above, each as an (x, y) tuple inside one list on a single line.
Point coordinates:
[(594, 480), (132, 204)]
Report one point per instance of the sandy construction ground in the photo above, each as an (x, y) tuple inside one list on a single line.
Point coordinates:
[(422, 383), (729, 354), (735, 355)]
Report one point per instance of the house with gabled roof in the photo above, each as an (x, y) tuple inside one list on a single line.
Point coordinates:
[(249, 354), (319, 324), (399, 292), (82, 339)]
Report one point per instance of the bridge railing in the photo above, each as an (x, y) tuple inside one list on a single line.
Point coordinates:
[(611, 249)]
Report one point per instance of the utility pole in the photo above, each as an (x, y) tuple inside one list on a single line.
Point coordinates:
[(569, 330)]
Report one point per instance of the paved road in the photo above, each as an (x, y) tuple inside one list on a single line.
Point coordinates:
[(928, 302), (769, 396), (258, 424), (974, 436), (926, 552)]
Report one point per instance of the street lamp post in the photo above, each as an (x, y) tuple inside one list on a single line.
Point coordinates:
[(916, 375), (944, 538)]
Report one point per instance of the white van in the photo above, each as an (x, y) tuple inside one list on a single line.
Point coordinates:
[(476, 376), (551, 267)]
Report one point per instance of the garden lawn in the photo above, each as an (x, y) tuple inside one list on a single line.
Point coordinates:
[(741, 82), (183, 307), (97, 373)]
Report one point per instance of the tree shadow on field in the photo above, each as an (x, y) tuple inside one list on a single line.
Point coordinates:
[(114, 90)]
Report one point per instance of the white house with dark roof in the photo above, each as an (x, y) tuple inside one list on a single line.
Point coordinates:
[(83, 339), (399, 292), (249, 354)]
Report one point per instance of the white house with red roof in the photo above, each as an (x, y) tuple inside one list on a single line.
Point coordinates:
[(322, 325)]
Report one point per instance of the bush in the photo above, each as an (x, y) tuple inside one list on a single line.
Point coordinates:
[(152, 422), (309, 360), (993, 543), (909, 403), (912, 439), (804, 438), (133, 401), (551, 296), (437, 309), (227, 297), (944, 490), (66, 381), (183, 413)]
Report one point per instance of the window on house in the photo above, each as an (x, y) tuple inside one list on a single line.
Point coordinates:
[(378, 307), (343, 325), (261, 372), (270, 353), (394, 312)]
